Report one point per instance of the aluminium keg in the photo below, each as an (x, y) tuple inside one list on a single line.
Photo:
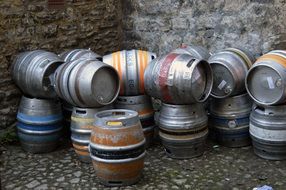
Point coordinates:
[(196, 51), (130, 65), (229, 68), (117, 147), (71, 55), (183, 130), (178, 79), (39, 124), (268, 131), (229, 120)]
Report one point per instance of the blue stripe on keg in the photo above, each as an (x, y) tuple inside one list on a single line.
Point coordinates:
[(38, 127), (222, 121), (40, 120)]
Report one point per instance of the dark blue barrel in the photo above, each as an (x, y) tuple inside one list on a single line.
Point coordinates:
[(39, 124)]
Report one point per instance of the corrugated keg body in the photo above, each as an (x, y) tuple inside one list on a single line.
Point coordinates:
[(130, 65), (196, 51), (87, 83), (266, 80), (71, 55), (142, 104), (229, 120), (82, 120), (33, 73), (268, 131), (183, 130), (178, 79), (229, 68), (39, 124), (117, 147)]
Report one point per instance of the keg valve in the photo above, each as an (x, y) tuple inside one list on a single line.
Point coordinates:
[(227, 90)]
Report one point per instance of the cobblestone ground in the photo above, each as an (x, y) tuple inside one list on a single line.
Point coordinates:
[(218, 168)]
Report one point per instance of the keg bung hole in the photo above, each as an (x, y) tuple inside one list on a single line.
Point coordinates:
[(270, 113), (152, 57), (115, 182), (229, 105), (193, 112), (80, 111)]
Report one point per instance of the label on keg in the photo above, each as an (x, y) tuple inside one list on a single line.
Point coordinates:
[(270, 82), (222, 84)]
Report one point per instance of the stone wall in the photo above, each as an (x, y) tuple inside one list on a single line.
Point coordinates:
[(257, 25), (28, 25)]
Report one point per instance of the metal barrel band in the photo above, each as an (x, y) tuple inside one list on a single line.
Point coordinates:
[(191, 132), (39, 132), (120, 161)]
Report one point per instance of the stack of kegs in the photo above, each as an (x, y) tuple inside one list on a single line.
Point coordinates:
[(266, 85), (182, 80), (230, 105), (130, 65)]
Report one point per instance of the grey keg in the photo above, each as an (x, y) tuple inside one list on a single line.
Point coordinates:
[(33, 73), (229, 68), (75, 54), (229, 120), (183, 130), (196, 51), (178, 79), (268, 131)]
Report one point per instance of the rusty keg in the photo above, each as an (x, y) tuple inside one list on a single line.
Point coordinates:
[(117, 147), (178, 79), (87, 83), (183, 130), (143, 105), (33, 73), (266, 80), (39, 124), (82, 120), (229, 120), (268, 131), (75, 54), (196, 51), (130, 65), (229, 68)]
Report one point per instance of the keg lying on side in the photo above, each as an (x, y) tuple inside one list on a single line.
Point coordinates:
[(39, 124), (178, 79), (130, 65), (183, 130), (143, 105), (82, 120), (117, 147), (196, 51), (87, 83), (230, 67), (229, 120), (268, 131), (33, 73), (266, 80), (75, 54)]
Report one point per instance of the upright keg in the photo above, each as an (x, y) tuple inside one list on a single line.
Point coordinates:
[(33, 73), (229, 120), (230, 67), (266, 80), (39, 124), (130, 65), (117, 147), (143, 105), (82, 120), (87, 83), (178, 79), (71, 55), (196, 51), (183, 130), (268, 131)]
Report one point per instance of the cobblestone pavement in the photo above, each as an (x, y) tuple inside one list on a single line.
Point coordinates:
[(218, 168)]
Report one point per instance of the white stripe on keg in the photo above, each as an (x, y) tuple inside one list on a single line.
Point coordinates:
[(270, 82), (222, 84), (267, 134)]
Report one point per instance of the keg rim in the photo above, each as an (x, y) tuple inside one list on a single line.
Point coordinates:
[(108, 115)]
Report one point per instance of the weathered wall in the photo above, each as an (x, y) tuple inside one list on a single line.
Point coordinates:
[(258, 25), (28, 25)]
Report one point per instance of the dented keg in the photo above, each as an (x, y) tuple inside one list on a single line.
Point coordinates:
[(117, 147), (143, 105), (130, 65), (178, 79), (39, 124), (87, 83), (71, 55), (196, 51), (266, 80), (268, 131), (229, 120), (183, 130), (33, 73), (229, 68)]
